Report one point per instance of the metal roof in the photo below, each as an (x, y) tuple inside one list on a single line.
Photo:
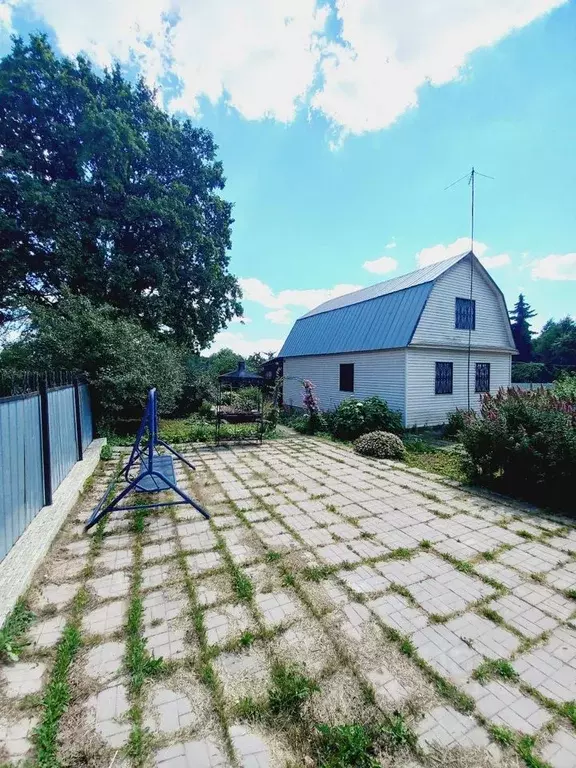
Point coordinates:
[(382, 316), (424, 275)]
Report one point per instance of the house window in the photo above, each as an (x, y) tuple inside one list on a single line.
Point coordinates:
[(444, 378), (482, 377), (466, 314), (347, 377)]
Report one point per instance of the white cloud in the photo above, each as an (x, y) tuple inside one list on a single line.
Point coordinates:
[(390, 49), (381, 266), (255, 290), (268, 58), (555, 267), (391, 244), (492, 262), (243, 346), (279, 316), (241, 320), (441, 252)]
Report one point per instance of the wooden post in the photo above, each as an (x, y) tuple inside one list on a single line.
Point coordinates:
[(46, 457)]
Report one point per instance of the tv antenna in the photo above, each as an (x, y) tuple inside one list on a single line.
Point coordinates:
[(471, 176)]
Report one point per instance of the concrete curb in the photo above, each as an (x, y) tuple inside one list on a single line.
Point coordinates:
[(20, 564)]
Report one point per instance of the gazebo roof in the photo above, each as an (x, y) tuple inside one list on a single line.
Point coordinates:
[(241, 376)]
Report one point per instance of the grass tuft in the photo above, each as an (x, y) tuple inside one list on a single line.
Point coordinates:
[(346, 746), (396, 734), (106, 452), (272, 557), (13, 631), (425, 544), (539, 578), (525, 534), (491, 614), (289, 692), (495, 668), (502, 735), (317, 573), (569, 711), (401, 553), (488, 555), (571, 594), (242, 586), (246, 640)]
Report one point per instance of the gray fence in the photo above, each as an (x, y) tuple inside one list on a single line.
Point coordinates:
[(42, 435)]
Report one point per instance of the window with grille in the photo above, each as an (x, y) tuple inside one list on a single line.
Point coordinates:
[(444, 378), (482, 377), (347, 377), (466, 314)]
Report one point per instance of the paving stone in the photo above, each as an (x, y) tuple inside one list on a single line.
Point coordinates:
[(170, 711), (396, 612), (324, 517), (252, 751), (225, 521), (226, 622), (104, 661), (203, 562), (524, 617), (66, 569), (115, 560), (57, 595), (162, 605), (425, 532), (282, 542), (159, 574), (456, 549), (191, 754), (521, 525), (158, 528), (318, 537), (484, 636), (105, 620), (387, 688), (337, 554), (46, 633), (158, 551), (364, 580), (243, 553), (246, 673), (22, 678), (546, 599), (277, 608), (407, 572), (166, 641), (449, 592), (561, 751), (312, 506), (501, 573), (505, 705), (353, 617), (269, 528), (15, 736), (551, 668), (367, 549), (446, 652), (567, 543), (344, 531), (563, 578), (299, 522), (117, 541), (446, 727), (107, 711), (257, 515), (397, 540), (533, 557), (78, 548), (116, 584)]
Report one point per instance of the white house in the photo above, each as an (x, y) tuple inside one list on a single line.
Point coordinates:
[(427, 342)]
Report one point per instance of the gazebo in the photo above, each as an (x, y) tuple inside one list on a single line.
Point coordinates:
[(230, 413)]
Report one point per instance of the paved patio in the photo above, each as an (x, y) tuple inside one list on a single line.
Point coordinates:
[(392, 591)]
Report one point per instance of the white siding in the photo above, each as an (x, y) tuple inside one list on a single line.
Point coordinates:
[(437, 323), (424, 407), (375, 373)]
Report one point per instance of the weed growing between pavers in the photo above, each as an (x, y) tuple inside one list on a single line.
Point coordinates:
[(346, 746), (501, 735), (495, 668), (525, 749), (12, 640), (289, 692)]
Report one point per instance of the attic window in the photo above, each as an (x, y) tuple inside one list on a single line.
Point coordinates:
[(347, 377), (466, 314)]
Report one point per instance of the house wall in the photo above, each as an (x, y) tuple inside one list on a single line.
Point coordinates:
[(438, 318), (423, 406), (375, 373)]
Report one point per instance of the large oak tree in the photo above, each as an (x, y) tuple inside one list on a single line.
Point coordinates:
[(104, 194)]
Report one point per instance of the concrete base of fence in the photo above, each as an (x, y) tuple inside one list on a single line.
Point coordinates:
[(19, 565)]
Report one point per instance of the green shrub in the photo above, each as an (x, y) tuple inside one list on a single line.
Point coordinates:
[(565, 387), (106, 452), (530, 372), (456, 422), (382, 445), (353, 418), (523, 443)]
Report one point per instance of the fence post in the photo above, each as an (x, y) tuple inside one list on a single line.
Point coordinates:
[(46, 457), (78, 419)]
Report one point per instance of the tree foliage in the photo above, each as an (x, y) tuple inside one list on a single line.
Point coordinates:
[(520, 317), (556, 344), (104, 194)]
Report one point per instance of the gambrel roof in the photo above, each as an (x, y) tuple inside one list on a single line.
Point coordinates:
[(382, 316)]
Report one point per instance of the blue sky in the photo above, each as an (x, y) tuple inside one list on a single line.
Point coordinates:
[(340, 125)]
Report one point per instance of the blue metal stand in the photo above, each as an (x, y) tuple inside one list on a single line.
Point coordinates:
[(156, 472)]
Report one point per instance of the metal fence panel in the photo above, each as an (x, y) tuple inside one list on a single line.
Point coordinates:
[(21, 478), (85, 415), (63, 446)]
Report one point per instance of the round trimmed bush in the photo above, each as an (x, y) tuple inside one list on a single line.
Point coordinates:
[(382, 445)]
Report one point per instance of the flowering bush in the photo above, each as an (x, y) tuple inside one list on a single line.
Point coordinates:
[(353, 418), (382, 445), (523, 442), (312, 421)]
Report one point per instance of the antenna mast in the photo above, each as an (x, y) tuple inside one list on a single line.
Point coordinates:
[(472, 184)]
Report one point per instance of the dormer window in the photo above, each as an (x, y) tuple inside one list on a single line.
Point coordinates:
[(466, 314)]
